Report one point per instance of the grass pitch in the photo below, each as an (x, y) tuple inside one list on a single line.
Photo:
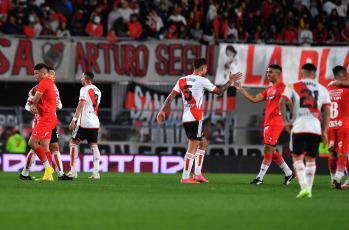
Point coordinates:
[(159, 201)]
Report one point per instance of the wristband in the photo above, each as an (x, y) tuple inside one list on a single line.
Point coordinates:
[(74, 118)]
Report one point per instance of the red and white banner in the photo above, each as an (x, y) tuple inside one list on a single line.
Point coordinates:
[(18, 57), (253, 61), (151, 61)]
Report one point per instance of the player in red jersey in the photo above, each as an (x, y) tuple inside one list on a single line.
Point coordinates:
[(192, 88), (273, 124), (54, 146), (338, 130), (44, 102)]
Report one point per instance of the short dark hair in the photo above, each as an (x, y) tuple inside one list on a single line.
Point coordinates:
[(198, 62), (337, 70), (309, 67), (50, 68), (275, 66), (41, 66), (89, 75)]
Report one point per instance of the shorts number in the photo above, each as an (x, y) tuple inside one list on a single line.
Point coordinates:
[(306, 102), (187, 92), (334, 110)]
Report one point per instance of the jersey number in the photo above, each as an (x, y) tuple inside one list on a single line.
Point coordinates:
[(187, 92), (334, 110), (306, 102)]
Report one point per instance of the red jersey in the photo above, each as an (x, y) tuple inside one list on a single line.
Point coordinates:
[(272, 96), (48, 101), (339, 107)]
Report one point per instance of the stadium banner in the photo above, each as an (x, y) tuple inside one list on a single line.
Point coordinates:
[(18, 57), (150, 61), (14, 162), (253, 61), (145, 103)]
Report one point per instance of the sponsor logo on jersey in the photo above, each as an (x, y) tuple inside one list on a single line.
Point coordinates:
[(336, 123)]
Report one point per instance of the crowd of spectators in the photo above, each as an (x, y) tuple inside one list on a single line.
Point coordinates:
[(207, 21)]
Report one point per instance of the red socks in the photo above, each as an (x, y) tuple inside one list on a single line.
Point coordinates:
[(342, 162), (41, 154), (49, 157), (332, 165), (277, 158), (267, 158)]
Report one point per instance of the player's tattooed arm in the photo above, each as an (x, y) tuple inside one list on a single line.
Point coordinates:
[(233, 78), (161, 115), (282, 105)]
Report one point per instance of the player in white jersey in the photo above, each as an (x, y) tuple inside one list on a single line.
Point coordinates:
[(54, 147), (309, 97), (192, 88), (85, 124)]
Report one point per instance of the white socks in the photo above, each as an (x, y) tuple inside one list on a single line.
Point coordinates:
[(57, 160), (286, 169), (29, 162), (96, 157), (188, 164), (310, 170), (199, 159), (263, 171), (74, 154)]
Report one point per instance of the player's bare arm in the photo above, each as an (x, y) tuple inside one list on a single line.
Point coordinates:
[(282, 104), (250, 97), (161, 115), (339, 83), (232, 79), (36, 97), (77, 113), (325, 122)]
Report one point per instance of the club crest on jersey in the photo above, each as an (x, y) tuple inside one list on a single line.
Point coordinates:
[(52, 53), (270, 139), (273, 95)]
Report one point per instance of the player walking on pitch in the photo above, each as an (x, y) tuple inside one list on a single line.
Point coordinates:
[(338, 130), (44, 102), (308, 98), (192, 89), (273, 125), (85, 124), (54, 147)]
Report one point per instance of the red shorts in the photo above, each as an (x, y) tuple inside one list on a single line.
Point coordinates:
[(338, 140), (44, 127), (272, 134)]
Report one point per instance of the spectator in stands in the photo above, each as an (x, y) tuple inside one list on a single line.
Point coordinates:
[(289, 34), (176, 18), (94, 28), (345, 32), (28, 30), (5, 7), (196, 32), (342, 8), (328, 6), (230, 32), (333, 33), (20, 14), (239, 11), (313, 9), (243, 35), (125, 11), (47, 30), (77, 26), (155, 23), (147, 33), (7, 132), (54, 19), (63, 7), (171, 32), (267, 7), (218, 133), (183, 33), (11, 27), (320, 33), (273, 34), (300, 13), (62, 30), (212, 12), (305, 36), (220, 23), (334, 18), (134, 27), (33, 8), (112, 37), (113, 15), (163, 14), (37, 24), (3, 22), (261, 35)]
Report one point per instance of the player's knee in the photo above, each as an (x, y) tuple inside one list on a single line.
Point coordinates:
[(203, 144), (269, 149), (73, 143)]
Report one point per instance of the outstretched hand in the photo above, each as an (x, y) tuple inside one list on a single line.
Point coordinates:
[(237, 85), (161, 117), (234, 77)]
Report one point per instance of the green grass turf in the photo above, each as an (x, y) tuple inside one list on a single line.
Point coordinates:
[(159, 201)]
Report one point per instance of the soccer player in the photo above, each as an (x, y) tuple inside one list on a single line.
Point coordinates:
[(192, 89), (54, 147), (338, 130), (308, 98), (273, 125), (44, 102), (85, 124)]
